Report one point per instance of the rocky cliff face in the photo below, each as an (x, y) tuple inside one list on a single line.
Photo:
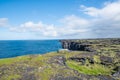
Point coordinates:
[(71, 45), (86, 45)]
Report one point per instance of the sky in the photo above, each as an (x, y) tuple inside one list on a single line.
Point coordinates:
[(59, 19)]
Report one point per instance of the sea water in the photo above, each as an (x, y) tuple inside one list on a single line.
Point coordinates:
[(13, 48)]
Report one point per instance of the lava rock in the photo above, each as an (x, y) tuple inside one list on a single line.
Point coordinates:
[(77, 59), (89, 49), (117, 73), (106, 60), (59, 60), (82, 59), (71, 45), (91, 60), (101, 77), (28, 76), (117, 68), (60, 77)]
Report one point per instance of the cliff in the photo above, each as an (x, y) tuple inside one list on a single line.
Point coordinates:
[(87, 44)]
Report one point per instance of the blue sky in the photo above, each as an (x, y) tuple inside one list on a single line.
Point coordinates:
[(59, 19)]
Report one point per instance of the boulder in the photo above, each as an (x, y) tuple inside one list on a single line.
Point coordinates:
[(77, 59), (117, 72), (82, 59), (58, 60), (105, 60), (91, 60)]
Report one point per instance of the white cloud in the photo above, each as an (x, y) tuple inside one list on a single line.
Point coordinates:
[(70, 25), (39, 28), (105, 21), (73, 25), (3, 22), (108, 11), (74, 21)]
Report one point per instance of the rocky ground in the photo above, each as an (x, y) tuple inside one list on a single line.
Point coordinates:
[(97, 59)]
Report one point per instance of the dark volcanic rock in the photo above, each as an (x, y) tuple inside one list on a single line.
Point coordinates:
[(117, 68), (89, 49), (82, 59), (84, 45), (105, 77), (106, 60), (77, 59), (59, 60), (60, 77), (91, 60), (118, 54), (71, 45), (117, 73), (28, 76)]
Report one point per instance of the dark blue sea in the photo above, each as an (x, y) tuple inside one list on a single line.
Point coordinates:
[(13, 48)]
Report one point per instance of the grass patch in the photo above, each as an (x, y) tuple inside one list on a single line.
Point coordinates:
[(95, 69), (12, 60), (73, 53), (97, 59), (11, 77)]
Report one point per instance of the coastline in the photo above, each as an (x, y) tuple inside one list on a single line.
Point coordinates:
[(99, 60)]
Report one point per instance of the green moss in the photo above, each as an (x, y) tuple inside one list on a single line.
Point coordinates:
[(97, 59), (95, 69), (11, 77), (45, 74), (70, 54), (13, 60)]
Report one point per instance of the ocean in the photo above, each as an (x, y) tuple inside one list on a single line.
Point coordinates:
[(13, 48)]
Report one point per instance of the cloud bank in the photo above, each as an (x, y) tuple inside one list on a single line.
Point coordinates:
[(39, 28), (102, 22)]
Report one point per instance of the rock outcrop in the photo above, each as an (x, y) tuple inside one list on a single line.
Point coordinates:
[(85, 45), (71, 45), (106, 60)]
